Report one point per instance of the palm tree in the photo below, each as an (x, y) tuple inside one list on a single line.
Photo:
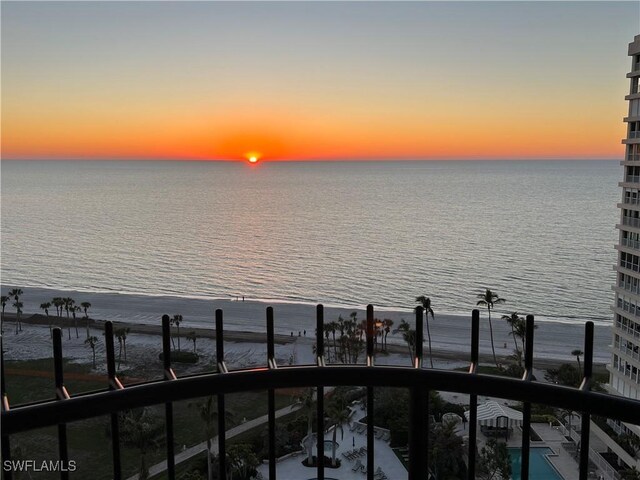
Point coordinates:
[(445, 450), (425, 302), (512, 319), (307, 402), (18, 306), (490, 299), (121, 335), (209, 414), (58, 302), (75, 309), (85, 306), (577, 353), (567, 414), (3, 299), (242, 460), (338, 415), (15, 293), (388, 323), (520, 330), (192, 337), (46, 306), (142, 431), (409, 336), (333, 327), (176, 321), (92, 342), (68, 302)]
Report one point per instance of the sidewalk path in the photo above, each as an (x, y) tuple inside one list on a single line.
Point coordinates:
[(201, 447)]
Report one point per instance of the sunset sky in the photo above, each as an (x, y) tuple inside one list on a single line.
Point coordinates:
[(315, 80)]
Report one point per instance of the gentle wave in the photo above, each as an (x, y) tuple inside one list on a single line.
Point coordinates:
[(540, 234)]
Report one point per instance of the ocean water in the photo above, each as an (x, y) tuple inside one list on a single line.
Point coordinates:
[(539, 233)]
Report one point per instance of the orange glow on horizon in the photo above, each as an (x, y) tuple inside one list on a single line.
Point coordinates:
[(253, 157)]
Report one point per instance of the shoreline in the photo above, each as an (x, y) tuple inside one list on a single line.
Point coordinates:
[(250, 337), (246, 321), (274, 302)]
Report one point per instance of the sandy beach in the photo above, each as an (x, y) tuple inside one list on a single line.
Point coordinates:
[(245, 322)]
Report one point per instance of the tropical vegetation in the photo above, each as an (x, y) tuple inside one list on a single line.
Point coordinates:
[(490, 299), (425, 303)]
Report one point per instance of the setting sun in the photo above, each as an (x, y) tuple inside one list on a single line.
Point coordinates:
[(252, 157)]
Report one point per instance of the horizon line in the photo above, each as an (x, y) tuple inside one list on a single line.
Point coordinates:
[(314, 160)]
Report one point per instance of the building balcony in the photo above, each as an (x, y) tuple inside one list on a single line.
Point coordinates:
[(67, 408), (630, 160), (627, 287), (631, 222), (627, 242), (632, 178), (630, 203), (629, 352)]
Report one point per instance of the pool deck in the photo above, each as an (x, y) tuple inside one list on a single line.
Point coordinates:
[(551, 436), (292, 468)]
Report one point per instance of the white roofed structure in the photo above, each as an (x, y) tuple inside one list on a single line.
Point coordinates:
[(493, 414)]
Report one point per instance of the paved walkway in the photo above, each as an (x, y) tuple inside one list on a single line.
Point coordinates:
[(202, 447)]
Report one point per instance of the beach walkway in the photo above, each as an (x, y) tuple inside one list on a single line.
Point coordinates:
[(191, 452)]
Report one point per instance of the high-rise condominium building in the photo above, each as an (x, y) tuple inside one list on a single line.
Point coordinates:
[(624, 370)]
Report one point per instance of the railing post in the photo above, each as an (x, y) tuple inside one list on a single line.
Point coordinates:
[(320, 392), (271, 412), (417, 361), (6, 444), (473, 398), (222, 369), (417, 414), (168, 407), (370, 419), (114, 384), (585, 386), (61, 395), (526, 406)]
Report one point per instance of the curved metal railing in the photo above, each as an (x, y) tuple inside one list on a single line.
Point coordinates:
[(67, 408)]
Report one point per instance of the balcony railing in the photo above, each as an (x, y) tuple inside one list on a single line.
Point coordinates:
[(631, 221), (626, 369), (633, 157), (628, 329), (634, 134), (629, 287), (632, 178), (631, 200), (629, 351), (629, 242), (420, 381)]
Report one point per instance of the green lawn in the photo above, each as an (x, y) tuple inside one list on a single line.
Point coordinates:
[(89, 441)]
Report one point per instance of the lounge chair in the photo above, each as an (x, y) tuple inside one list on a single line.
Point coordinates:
[(379, 474), (358, 466)]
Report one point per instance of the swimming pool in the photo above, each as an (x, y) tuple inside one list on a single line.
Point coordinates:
[(539, 467)]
